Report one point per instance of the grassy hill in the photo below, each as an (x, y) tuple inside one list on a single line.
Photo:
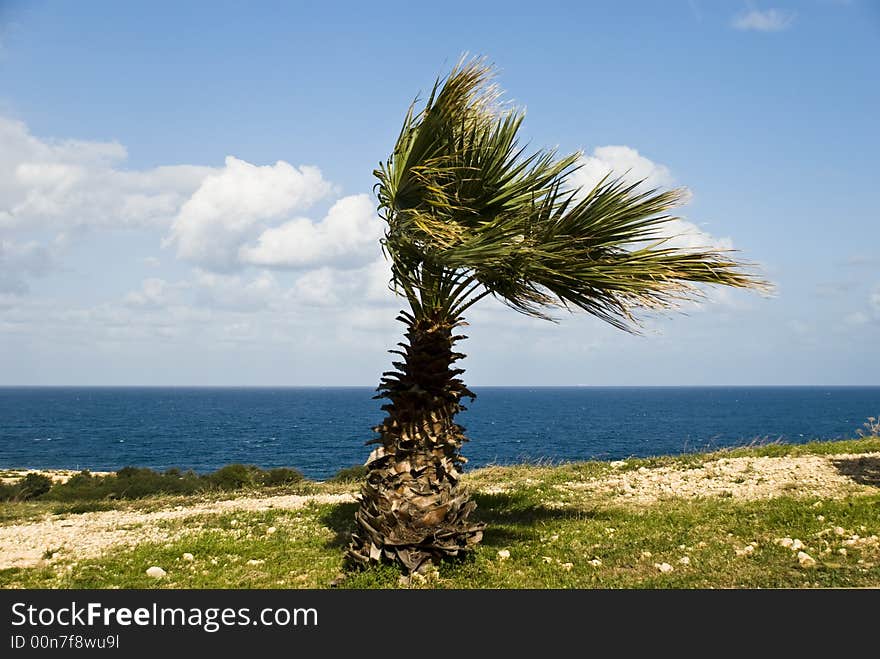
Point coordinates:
[(793, 516)]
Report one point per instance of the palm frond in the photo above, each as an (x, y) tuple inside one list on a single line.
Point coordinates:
[(470, 214)]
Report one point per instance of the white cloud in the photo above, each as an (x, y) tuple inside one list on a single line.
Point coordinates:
[(348, 235), (76, 183), (18, 260), (623, 161), (874, 300), (236, 293), (154, 293), (231, 205), (768, 20), (629, 164)]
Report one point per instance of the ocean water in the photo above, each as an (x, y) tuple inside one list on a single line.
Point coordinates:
[(320, 430)]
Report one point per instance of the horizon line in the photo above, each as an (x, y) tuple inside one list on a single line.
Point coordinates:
[(366, 386)]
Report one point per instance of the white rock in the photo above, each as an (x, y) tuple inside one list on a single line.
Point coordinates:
[(618, 463), (503, 554), (256, 561), (796, 545), (745, 551), (271, 530), (546, 559), (188, 557), (685, 560), (842, 551), (785, 542), (821, 518), (663, 567), (156, 572), (213, 561), (595, 562), (566, 566), (805, 559), (646, 554), (839, 530), (233, 522)]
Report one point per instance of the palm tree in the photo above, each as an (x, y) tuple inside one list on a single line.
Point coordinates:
[(469, 215)]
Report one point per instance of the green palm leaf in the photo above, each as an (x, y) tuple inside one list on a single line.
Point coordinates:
[(470, 214)]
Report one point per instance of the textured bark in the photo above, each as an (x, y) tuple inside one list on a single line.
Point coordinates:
[(412, 507)]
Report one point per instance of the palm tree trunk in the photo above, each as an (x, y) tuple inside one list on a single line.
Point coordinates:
[(412, 506)]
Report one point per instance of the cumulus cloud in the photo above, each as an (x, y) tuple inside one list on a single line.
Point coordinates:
[(628, 163), (768, 20), (76, 183), (232, 205), (348, 235), (623, 161)]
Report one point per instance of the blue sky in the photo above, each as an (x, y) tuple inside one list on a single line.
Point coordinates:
[(185, 188)]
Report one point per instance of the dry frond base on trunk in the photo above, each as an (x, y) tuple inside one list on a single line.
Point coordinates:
[(413, 509)]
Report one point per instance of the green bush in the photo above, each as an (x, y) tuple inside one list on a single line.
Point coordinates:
[(282, 476), (33, 485), (29, 487), (7, 491), (350, 474), (138, 482), (234, 476)]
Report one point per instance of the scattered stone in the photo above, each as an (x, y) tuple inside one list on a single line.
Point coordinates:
[(842, 551), (595, 562), (213, 561), (785, 542), (233, 522), (188, 557), (156, 572), (745, 551), (702, 545), (646, 554), (256, 561), (685, 560), (503, 554), (547, 559), (839, 530), (821, 518), (796, 545), (566, 566), (805, 559), (618, 463), (664, 567), (271, 530)]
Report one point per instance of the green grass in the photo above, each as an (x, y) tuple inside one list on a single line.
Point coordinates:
[(553, 541)]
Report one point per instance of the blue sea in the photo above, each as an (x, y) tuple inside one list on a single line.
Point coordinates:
[(320, 430)]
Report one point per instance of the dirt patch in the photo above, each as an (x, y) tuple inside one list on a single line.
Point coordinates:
[(738, 478), (90, 534)]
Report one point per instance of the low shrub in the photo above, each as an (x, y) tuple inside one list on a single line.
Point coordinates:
[(29, 487), (282, 476), (138, 482), (350, 474)]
